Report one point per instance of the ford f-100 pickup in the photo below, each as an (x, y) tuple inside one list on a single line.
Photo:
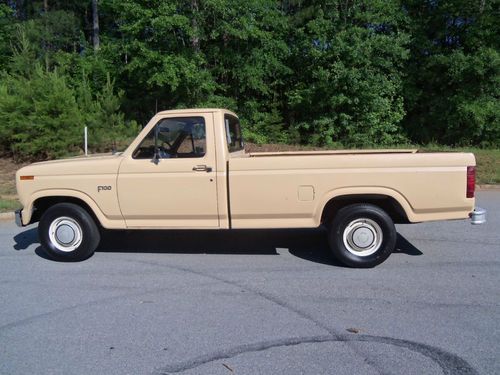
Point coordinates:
[(188, 169)]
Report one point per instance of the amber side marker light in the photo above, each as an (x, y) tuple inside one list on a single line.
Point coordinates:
[(24, 178)]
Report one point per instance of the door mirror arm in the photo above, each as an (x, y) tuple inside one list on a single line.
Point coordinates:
[(156, 156)]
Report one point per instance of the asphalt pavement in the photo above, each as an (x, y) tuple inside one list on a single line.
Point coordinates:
[(254, 302)]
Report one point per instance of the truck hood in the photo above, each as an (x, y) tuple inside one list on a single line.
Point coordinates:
[(80, 165)]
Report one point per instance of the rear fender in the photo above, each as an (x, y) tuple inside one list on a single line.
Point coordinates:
[(361, 191)]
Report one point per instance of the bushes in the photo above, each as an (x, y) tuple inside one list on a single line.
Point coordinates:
[(452, 89), (42, 115), (327, 73), (39, 116)]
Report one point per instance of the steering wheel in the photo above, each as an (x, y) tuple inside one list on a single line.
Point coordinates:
[(166, 143)]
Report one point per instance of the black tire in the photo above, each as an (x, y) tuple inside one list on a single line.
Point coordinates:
[(362, 235), (67, 220)]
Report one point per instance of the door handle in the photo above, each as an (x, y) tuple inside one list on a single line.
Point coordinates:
[(202, 168)]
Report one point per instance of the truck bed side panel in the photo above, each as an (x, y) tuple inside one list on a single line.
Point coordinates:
[(291, 191)]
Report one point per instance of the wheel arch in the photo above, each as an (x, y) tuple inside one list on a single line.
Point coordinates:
[(392, 202), (44, 199)]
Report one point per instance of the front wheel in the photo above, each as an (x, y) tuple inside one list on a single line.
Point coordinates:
[(68, 232), (362, 235)]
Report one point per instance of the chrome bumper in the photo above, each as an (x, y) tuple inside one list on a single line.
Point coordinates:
[(478, 216), (19, 218)]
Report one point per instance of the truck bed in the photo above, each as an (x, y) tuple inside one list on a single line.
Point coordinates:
[(286, 189)]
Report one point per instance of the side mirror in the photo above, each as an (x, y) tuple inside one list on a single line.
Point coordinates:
[(156, 156)]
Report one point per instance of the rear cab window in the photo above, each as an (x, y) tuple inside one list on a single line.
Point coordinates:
[(234, 138)]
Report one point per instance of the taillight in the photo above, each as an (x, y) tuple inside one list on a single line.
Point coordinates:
[(471, 181)]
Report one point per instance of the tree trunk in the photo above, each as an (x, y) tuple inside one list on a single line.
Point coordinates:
[(481, 6), (46, 45), (20, 9), (195, 39), (95, 25)]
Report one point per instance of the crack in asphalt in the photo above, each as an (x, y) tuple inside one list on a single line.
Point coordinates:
[(259, 293), (271, 299), (36, 317), (450, 363), (475, 242)]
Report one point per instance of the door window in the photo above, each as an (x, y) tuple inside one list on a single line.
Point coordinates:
[(179, 137)]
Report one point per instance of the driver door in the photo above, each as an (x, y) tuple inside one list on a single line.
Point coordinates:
[(169, 179)]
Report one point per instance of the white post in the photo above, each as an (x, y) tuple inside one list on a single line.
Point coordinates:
[(85, 137)]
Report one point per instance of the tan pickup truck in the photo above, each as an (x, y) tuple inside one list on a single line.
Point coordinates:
[(188, 169)]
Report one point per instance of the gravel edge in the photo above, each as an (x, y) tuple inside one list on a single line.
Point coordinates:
[(7, 216)]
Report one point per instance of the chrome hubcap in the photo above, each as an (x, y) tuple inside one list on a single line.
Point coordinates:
[(362, 237), (65, 234)]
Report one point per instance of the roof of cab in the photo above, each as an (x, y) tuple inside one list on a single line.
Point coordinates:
[(196, 110)]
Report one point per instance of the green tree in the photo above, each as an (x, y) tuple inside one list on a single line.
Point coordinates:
[(338, 73), (39, 115), (43, 113), (350, 56), (246, 50), (453, 88), (101, 113), (7, 22), (151, 49)]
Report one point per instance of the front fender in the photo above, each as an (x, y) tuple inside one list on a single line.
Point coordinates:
[(115, 223)]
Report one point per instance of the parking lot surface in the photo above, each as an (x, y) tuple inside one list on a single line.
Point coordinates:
[(254, 302)]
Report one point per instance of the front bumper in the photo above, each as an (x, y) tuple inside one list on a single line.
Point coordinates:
[(19, 218), (478, 216)]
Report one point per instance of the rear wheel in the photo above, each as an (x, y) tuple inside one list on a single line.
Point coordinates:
[(68, 232), (362, 235)]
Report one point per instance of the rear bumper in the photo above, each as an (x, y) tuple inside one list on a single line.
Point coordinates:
[(19, 218), (478, 216)]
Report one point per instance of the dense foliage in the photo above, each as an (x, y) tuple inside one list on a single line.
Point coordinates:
[(332, 72)]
